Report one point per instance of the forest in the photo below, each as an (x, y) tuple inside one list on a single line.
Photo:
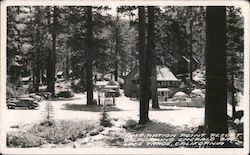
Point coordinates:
[(89, 42)]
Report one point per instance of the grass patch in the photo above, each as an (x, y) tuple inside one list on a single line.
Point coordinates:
[(59, 132)]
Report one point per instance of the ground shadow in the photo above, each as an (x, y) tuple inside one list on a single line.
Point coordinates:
[(139, 136), (155, 127), (83, 107), (159, 128), (22, 108), (164, 109), (63, 99)]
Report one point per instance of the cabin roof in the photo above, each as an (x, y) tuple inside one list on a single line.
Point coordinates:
[(25, 78), (59, 73), (163, 74), (188, 60)]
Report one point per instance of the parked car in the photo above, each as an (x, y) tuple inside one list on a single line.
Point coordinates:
[(65, 94), (36, 97), (32, 95), (22, 102), (46, 95)]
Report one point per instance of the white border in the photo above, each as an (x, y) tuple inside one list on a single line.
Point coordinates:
[(245, 10)]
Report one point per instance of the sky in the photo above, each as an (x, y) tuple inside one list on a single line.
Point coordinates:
[(113, 11)]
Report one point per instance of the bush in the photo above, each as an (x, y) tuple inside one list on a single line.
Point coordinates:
[(23, 140), (59, 132), (105, 121), (48, 114)]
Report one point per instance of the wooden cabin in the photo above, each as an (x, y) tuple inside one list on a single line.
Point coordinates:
[(165, 79), (184, 65)]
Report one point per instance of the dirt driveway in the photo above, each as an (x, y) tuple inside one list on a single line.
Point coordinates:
[(125, 109)]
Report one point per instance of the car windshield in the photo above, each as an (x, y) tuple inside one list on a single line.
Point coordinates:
[(26, 99), (13, 100)]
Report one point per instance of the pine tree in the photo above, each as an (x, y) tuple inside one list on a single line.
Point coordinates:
[(234, 51), (48, 114), (89, 44), (152, 55), (144, 78), (216, 94)]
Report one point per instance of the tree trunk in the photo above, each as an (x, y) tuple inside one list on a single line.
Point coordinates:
[(216, 86), (49, 57), (89, 45), (116, 48), (32, 61), (143, 70), (33, 75), (154, 92), (67, 65), (191, 52), (37, 70), (151, 58), (53, 54), (116, 70), (233, 98), (48, 70)]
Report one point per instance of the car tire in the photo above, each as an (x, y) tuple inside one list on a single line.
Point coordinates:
[(31, 107), (9, 107)]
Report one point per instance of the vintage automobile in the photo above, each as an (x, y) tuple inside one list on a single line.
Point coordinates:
[(46, 95), (22, 102), (65, 94), (36, 97)]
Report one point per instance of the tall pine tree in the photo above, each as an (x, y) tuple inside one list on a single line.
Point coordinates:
[(216, 87), (144, 78)]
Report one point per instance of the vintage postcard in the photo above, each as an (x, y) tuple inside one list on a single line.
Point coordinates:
[(124, 77)]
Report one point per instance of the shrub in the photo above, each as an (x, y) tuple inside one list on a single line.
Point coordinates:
[(23, 140), (48, 114), (105, 120), (59, 132), (62, 131)]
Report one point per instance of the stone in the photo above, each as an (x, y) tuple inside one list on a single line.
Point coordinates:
[(100, 128), (130, 124), (15, 126), (97, 137), (66, 141), (75, 145), (83, 133), (48, 146), (105, 132), (86, 140), (94, 132)]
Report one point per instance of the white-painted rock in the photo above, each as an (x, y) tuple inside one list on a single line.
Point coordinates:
[(98, 137), (48, 146), (86, 140)]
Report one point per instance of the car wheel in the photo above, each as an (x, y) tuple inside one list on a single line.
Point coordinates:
[(31, 107), (9, 107)]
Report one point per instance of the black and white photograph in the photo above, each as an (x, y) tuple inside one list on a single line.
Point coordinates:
[(124, 77)]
